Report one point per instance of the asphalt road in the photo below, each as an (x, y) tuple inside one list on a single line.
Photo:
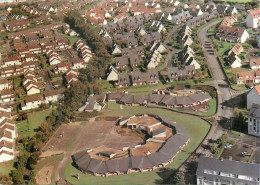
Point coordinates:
[(219, 78)]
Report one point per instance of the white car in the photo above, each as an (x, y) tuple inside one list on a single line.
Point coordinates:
[(245, 153), (228, 145)]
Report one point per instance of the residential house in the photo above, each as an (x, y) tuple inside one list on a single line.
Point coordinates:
[(5, 84), (253, 96), (30, 83), (123, 80), (113, 74), (220, 171), (70, 76), (78, 63), (236, 49), (53, 56), (94, 102), (254, 63), (142, 78), (234, 61), (253, 18), (62, 67), (53, 95), (12, 61), (254, 120), (121, 62), (174, 74), (32, 102), (232, 34), (8, 135), (248, 77)]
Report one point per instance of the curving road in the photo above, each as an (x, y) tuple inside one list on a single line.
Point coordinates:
[(225, 108)]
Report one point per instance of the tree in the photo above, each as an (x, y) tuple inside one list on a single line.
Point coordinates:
[(6, 179), (223, 140), (178, 178), (214, 149)]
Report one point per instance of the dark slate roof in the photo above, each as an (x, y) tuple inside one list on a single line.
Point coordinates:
[(112, 165), (168, 100), (159, 131), (140, 99), (174, 72), (199, 96), (254, 111), (115, 96), (155, 98), (228, 166), (172, 146), (133, 59), (123, 78), (127, 99)]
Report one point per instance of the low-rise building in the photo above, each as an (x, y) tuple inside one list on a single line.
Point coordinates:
[(248, 77), (53, 95), (8, 133), (253, 18), (254, 120), (232, 34), (225, 171), (253, 96), (32, 102), (254, 63)]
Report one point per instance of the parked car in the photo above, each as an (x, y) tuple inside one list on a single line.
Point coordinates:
[(228, 145), (245, 153)]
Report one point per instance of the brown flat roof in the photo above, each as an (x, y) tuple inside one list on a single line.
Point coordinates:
[(144, 120)]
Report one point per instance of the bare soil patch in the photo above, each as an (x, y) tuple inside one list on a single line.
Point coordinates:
[(130, 132), (61, 139), (107, 118), (44, 175)]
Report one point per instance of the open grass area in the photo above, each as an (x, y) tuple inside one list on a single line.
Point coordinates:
[(237, 133), (35, 119), (146, 89), (6, 168), (212, 108), (197, 127), (202, 26)]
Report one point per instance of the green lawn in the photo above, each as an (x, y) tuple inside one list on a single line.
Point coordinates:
[(6, 168), (35, 119), (198, 129), (223, 47), (202, 26), (212, 108)]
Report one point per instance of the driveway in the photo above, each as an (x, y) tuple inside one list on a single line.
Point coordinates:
[(47, 80)]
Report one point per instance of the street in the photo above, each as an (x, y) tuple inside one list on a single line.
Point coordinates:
[(219, 78)]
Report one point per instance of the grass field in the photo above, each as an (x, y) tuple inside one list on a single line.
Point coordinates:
[(6, 168), (213, 108), (35, 119), (197, 128), (146, 89)]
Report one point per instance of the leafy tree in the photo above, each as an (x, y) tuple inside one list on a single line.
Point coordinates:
[(178, 178), (6, 179), (223, 140), (214, 148)]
